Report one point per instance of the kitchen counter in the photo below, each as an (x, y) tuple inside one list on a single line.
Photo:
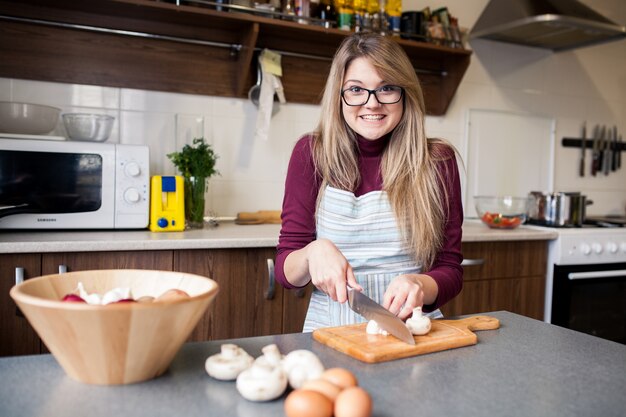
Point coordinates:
[(226, 235), (525, 368)]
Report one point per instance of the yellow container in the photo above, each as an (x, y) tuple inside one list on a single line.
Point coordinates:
[(167, 203)]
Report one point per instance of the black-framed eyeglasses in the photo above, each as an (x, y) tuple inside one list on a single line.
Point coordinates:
[(358, 96)]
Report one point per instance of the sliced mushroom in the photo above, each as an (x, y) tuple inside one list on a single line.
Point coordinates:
[(374, 328)]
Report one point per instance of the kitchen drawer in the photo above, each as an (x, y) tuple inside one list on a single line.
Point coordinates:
[(510, 259)]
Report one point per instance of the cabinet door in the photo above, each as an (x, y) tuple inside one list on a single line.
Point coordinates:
[(83, 261), (511, 277), (240, 308), (295, 306), (16, 334)]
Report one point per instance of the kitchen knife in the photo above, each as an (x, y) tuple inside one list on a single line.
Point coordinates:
[(371, 310), (601, 149), (619, 152), (595, 151), (615, 151), (607, 155), (581, 170)]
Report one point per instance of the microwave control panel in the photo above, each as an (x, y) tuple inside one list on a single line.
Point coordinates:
[(132, 185)]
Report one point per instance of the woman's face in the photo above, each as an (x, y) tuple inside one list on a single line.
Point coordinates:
[(372, 120)]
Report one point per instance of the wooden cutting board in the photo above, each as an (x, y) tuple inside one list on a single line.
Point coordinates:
[(444, 334)]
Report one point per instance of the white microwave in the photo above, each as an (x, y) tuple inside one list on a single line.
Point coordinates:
[(73, 185)]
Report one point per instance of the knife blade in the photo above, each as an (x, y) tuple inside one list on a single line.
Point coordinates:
[(619, 152), (606, 161), (371, 310), (615, 151), (595, 153), (581, 170)]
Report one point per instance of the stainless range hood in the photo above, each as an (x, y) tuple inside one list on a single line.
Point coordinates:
[(553, 24)]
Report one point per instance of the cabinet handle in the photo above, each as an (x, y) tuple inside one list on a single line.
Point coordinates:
[(271, 287), (19, 275), (62, 269), (19, 278), (472, 262)]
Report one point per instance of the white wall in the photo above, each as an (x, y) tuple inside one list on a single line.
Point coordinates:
[(584, 84)]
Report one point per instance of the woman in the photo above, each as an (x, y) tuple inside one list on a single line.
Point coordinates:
[(370, 202)]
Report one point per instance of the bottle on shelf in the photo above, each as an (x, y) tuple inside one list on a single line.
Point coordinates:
[(302, 9), (327, 12), (345, 13), (314, 8), (393, 10), (373, 15), (360, 10), (288, 7)]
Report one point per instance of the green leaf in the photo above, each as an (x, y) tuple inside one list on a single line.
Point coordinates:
[(195, 161)]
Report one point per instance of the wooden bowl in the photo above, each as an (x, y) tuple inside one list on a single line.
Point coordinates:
[(117, 343)]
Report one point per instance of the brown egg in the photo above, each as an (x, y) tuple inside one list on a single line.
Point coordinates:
[(172, 294), (323, 386), (145, 299), (307, 403), (340, 377), (353, 402)]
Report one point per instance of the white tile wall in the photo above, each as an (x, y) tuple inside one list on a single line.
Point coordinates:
[(584, 84)]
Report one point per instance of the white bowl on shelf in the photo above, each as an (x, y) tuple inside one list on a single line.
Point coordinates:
[(88, 127), (27, 118)]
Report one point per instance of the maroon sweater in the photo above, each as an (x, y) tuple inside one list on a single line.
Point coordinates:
[(298, 213)]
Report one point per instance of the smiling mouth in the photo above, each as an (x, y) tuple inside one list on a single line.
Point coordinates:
[(373, 117)]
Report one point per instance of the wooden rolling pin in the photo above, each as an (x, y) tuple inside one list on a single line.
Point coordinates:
[(259, 217)]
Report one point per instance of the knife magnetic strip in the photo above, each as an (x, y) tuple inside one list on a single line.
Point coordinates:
[(577, 143)]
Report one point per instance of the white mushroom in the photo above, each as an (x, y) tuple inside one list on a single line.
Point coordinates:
[(302, 365), (374, 328), (271, 355), (418, 324), (229, 363), (263, 381)]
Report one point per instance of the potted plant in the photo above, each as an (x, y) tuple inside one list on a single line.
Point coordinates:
[(196, 163)]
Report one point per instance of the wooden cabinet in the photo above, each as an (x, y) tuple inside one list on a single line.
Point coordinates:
[(161, 46), (16, 334), (83, 261), (511, 277), (245, 305)]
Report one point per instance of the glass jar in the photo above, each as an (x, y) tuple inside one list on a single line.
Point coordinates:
[(195, 197)]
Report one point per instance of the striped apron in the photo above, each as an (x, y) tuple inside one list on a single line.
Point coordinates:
[(364, 229)]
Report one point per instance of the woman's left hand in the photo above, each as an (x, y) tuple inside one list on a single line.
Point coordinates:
[(408, 291), (403, 295)]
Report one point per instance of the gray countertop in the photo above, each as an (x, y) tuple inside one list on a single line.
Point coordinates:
[(226, 235), (525, 368)]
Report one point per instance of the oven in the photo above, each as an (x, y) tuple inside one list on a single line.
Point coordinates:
[(586, 282)]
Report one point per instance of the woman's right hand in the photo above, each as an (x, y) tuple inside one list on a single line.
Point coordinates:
[(329, 270)]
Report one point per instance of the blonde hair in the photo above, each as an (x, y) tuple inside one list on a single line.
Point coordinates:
[(410, 161)]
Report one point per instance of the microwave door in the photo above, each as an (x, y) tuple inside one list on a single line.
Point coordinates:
[(49, 182), (16, 209)]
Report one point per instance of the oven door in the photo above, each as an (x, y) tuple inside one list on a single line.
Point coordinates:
[(591, 299)]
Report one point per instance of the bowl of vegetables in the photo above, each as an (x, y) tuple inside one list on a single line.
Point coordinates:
[(111, 327), (502, 212)]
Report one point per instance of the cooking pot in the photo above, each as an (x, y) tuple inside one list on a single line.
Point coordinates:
[(560, 209)]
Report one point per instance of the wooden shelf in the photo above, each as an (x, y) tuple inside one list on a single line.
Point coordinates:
[(153, 45)]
